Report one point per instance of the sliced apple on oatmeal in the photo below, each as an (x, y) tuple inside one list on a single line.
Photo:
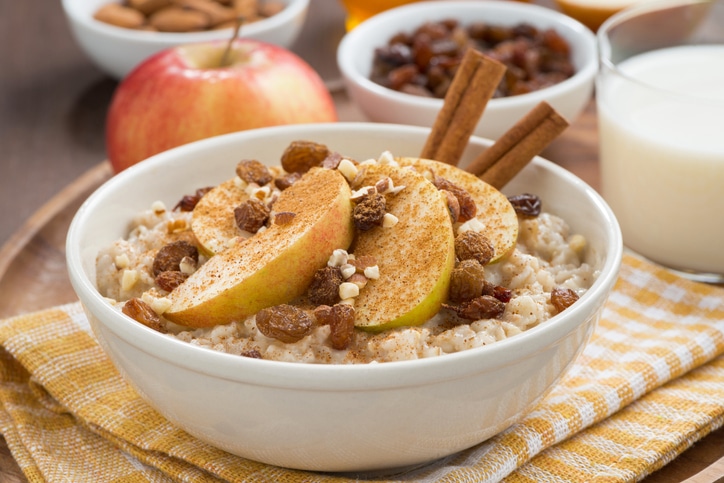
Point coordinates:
[(414, 250), (309, 220), (213, 222), (495, 216)]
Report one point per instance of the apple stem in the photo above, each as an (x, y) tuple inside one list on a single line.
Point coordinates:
[(225, 61)]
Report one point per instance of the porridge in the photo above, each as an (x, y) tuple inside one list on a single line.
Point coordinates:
[(419, 260)]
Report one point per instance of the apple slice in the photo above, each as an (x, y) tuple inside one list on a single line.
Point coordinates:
[(495, 212), (274, 266), (415, 256), (213, 222)]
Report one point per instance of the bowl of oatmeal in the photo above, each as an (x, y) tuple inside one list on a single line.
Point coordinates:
[(293, 386), (397, 65), (118, 35)]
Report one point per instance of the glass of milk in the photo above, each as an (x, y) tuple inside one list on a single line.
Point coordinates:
[(660, 101)]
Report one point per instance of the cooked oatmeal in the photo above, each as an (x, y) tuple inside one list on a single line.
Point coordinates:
[(546, 258)]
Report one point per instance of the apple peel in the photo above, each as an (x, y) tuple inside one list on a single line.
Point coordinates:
[(495, 212), (415, 256), (274, 266)]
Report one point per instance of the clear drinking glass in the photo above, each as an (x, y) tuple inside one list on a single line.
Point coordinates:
[(660, 99)]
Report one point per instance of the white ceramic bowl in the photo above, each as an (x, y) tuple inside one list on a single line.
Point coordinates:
[(356, 53), (116, 50), (334, 417)]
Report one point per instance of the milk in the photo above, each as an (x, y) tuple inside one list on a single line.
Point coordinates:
[(662, 155)]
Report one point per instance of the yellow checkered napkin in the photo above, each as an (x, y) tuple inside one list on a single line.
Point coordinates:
[(648, 385)]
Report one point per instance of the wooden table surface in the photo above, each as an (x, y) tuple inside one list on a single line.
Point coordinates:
[(53, 103)]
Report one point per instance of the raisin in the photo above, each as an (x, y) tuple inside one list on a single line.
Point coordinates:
[(474, 245), (141, 312), (253, 354), (301, 156), (468, 208), (169, 257), (253, 171), (285, 323), (332, 160), (251, 215), (526, 204), (170, 279), (340, 319), (369, 211), (453, 206), (324, 289), (189, 202), (284, 182), (466, 281), (483, 307), (562, 298)]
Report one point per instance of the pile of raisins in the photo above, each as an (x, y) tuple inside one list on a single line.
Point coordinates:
[(424, 62)]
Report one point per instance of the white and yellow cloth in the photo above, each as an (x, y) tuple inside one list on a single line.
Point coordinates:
[(648, 385)]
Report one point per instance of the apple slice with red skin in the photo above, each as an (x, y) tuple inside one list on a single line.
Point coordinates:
[(494, 211), (274, 266)]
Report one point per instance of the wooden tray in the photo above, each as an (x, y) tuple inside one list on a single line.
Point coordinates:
[(33, 276)]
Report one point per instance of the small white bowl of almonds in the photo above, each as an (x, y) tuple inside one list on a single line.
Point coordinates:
[(118, 35)]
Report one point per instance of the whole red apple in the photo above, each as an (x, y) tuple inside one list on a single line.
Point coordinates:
[(183, 94)]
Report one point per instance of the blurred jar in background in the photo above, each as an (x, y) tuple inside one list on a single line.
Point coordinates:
[(360, 10)]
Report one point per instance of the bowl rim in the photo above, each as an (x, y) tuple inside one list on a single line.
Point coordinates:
[(330, 377), (351, 41), (76, 11)]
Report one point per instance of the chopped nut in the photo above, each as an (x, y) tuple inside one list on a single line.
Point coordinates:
[(169, 257), (466, 281), (301, 156), (474, 245), (348, 290), (369, 211), (338, 258), (372, 273), (577, 243), (284, 182), (158, 304), (389, 220), (253, 354), (562, 298), (468, 208), (324, 289), (473, 224), (253, 171), (284, 322), (176, 226), (358, 279), (284, 217), (158, 207), (141, 312), (386, 157), (363, 262), (170, 279), (347, 270), (187, 265), (348, 169), (340, 319), (251, 215)]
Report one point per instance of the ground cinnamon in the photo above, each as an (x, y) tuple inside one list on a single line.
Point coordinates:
[(511, 152), (472, 87)]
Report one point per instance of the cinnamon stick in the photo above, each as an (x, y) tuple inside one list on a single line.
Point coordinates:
[(513, 150), (472, 87)]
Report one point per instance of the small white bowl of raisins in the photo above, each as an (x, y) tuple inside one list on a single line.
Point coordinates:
[(397, 65)]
